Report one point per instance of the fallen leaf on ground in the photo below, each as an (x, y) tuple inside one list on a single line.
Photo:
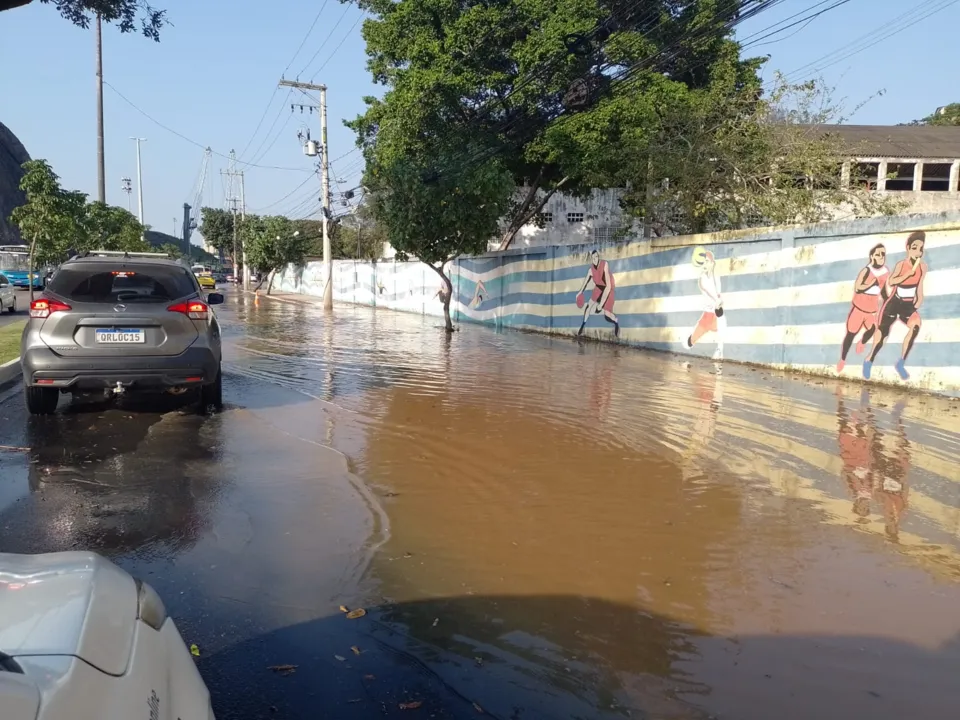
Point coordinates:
[(356, 650), (283, 669), (354, 614), (195, 651), (411, 705), (344, 608), (341, 658)]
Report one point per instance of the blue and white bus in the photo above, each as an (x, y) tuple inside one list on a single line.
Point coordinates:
[(15, 264)]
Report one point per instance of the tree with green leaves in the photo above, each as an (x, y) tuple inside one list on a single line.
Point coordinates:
[(216, 226), (172, 250), (556, 91), (271, 243), (53, 219), (945, 116), (113, 228), (127, 15), (432, 213), (721, 157)]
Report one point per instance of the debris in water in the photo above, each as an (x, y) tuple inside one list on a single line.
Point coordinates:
[(411, 705), (478, 708), (344, 609), (356, 650), (435, 621), (283, 669), (354, 614), (369, 677), (194, 650), (13, 448), (341, 658)]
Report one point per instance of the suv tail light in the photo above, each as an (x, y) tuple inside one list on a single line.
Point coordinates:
[(195, 310), (44, 307)]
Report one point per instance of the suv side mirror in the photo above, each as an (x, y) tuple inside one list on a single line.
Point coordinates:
[(214, 299), (4, 284)]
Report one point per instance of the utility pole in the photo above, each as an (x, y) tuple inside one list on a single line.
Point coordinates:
[(128, 189), (101, 174), (139, 140), (238, 254), (243, 251), (325, 185)]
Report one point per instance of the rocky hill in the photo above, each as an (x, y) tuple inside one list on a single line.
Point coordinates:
[(12, 156)]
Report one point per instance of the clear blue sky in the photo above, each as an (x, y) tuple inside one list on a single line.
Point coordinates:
[(214, 72)]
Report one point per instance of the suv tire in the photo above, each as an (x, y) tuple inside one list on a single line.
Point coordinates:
[(13, 308), (41, 400), (212, 394)]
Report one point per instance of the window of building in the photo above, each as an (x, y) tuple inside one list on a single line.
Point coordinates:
[(900, 176), (545, 218), (606, 235), (864, 175), (936, 177), (575, 217)]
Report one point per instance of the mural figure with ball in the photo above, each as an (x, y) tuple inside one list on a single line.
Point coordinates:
[(602, 298), (712, 319)]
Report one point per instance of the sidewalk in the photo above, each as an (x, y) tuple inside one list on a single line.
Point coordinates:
[(292, 298)]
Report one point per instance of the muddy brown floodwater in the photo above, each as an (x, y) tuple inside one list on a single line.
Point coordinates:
[(578, 530)]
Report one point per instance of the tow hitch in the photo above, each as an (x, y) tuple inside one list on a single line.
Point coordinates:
[(119, 389)]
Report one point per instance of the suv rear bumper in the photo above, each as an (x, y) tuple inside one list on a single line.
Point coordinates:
[(43, 367)]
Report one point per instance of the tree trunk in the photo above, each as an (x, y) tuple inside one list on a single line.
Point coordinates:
[(33, 248), (273, 274), (446, 296)]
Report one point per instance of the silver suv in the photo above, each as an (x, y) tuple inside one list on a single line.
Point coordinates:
[(117, 323)]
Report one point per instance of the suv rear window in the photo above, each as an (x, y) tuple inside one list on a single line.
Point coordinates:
[(106, 284)]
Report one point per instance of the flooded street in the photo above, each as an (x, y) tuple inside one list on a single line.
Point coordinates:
[(536, 528)]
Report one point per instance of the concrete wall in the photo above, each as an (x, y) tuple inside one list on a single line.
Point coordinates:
[(786, 294)]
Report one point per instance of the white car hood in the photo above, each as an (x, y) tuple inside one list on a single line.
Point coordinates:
[(71, 603)]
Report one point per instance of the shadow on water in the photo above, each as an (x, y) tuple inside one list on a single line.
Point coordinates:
[(569, 657)]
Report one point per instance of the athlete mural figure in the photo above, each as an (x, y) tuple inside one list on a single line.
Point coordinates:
[(906, 297), (478, 295), (712, 318), (869, 294), (860, 449), (601, 301)]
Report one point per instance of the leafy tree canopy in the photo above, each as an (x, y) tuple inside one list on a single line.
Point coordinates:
[(531, 82), (127, 15), (113, 228), (216, 226), (272, 242), (454, 213), (949, 116)]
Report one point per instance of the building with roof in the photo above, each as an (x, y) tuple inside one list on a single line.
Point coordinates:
[(918, 163)]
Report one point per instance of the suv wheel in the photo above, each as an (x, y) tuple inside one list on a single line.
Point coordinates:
[(41, 400), (13, 308), (212, 395)]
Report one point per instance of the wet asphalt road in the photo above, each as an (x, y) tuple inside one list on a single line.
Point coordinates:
[(536, 528)]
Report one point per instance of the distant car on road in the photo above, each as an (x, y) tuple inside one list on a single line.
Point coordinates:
[(119, 322), (8, 296), (83, 639), (206, 281)]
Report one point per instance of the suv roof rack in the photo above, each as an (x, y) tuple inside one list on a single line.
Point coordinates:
[(118, 253)]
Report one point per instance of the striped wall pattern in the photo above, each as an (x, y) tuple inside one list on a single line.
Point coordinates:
[(786, 294)]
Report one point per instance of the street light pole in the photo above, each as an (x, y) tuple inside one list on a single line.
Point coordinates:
[(139, 140), (101, 173)]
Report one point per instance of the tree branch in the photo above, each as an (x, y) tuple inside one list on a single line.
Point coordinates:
[(521, 220)]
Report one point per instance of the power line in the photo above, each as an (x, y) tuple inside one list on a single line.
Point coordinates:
[(346, 9), (190, 140), (305, 37), (339, 45)]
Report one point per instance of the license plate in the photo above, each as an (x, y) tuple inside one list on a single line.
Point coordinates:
[(120, 336)]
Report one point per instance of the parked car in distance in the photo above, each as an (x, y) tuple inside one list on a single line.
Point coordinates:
[(117, 323), (81, 638), (8, 295)]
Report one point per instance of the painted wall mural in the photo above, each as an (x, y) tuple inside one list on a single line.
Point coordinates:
[(603, 296), (841, 298)]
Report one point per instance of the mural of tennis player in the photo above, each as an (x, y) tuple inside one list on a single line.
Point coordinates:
[(601, 301), (712, 318), (906, 296), (869, 294)]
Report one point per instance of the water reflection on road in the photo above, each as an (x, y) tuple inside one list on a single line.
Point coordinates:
[(578, 530)]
